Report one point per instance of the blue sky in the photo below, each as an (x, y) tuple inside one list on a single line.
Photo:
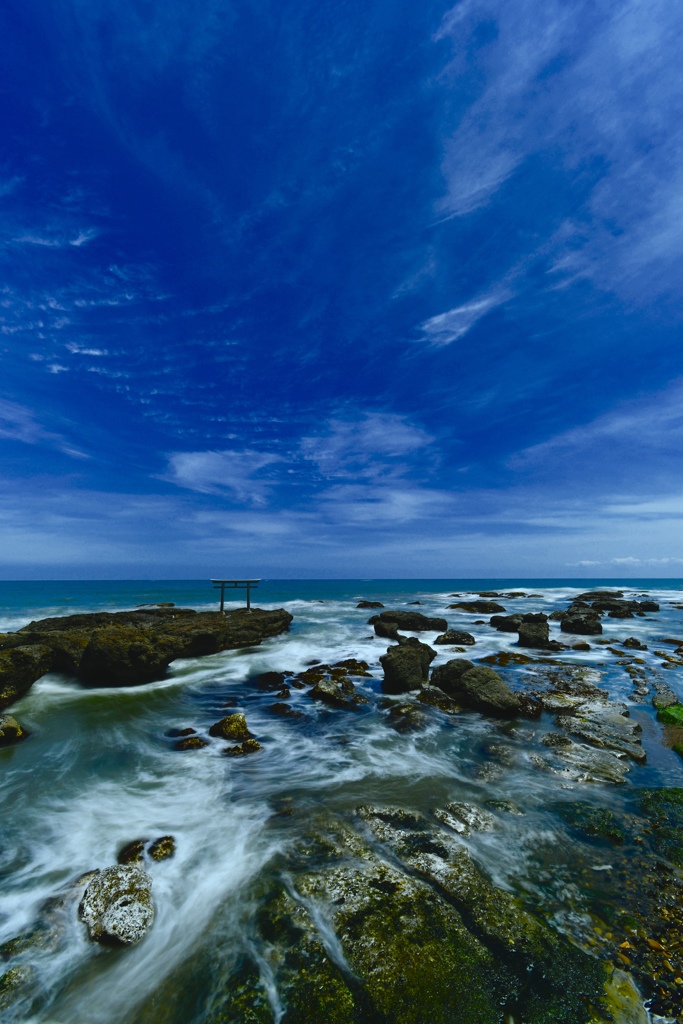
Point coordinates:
[(341, 289)]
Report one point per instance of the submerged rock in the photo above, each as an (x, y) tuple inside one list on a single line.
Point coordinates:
[(338, 693), (10, 731), (190, 743), (415, 622), (670, 714), (406, 667), (242, 749), (369, 604), (117, 906), (465, 818), (594, 822), (133, 852), (476, 687)]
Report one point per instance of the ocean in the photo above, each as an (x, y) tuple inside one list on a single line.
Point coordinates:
[(100, 770)]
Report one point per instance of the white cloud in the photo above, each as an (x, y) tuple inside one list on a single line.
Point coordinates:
[(448, 327), (222, 472), (364, 447), (19, 424)]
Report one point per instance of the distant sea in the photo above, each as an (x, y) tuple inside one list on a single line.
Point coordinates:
[(22, 600)]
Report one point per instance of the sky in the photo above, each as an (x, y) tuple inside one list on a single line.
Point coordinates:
[(364, 288)]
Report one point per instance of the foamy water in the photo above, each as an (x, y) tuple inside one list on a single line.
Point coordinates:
[(99, 771)]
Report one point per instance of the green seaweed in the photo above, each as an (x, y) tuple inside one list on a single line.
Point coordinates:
[(673, 715)]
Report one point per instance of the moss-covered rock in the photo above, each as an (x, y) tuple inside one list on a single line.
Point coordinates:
[(20, 667), (162, 848), (11, 731), (14, 984), (672, 715), (664, 809), (594, 822), (232, 727)]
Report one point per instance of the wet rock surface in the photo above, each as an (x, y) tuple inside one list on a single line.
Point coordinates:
[(456, 637), (117, 906), (406, 666), (415, 622), (11, 731), (476, 687), (125, 648)]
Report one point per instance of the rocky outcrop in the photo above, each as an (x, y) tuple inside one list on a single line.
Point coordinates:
[(415, 622), (125, 648), (506, 623), (369, 604), (406, 667), (476, 687), (584, 622), (456, 637), (232, 727), (385, 630), (117, 906)]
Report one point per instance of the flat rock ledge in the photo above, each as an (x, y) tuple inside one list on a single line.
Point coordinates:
[(125, 648)]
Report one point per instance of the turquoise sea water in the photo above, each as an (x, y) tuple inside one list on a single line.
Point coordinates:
[(32, 599)]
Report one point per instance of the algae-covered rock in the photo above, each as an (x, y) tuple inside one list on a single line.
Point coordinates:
[(476, 687), (117, 906), (125, 648), (436, 698), (664, 809), (132, 853), (478, 607), (242, 749), (595, 822), (232, 727), (671, 715), (20, 667), (406, 667), (338, 693), (10, 731), (465, 818), (162, 848), (457, 637), (190, 743), (14, 984)]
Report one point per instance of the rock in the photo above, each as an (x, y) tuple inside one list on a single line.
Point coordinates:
[(386, 630), (455, 636), (338, 693), (162, 848), (506, 623), (242, 749), (534, 634), (594, 822), (232, 727), (664, 696), (10, 731), (353, 666), (633, 643), (608, 725), (406, 718), (649, 606), (132, 853), (478, 607), (117, 905), (190, 743), (436, 698), (581, 623), (125, 648), (283, 710), (664, 810), (270, 681), (551, 980), (479, 688), (505, 658), (671, 715), (406, 667), (416, 622), (465, 818), (20, 667), (15, 983), (369, 604), (177, 733)]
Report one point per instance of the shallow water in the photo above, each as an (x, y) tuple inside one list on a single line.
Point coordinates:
[(99, 771)]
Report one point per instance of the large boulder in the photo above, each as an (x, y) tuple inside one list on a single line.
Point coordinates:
[(117, 906), (506, 623), (477, 687), (534, 634), (406, 667), (416, 622), (386, 630)]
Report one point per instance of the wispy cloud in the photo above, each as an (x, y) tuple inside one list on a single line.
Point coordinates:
[(233, 473), (370, 445), (448, 327), (19, 424)]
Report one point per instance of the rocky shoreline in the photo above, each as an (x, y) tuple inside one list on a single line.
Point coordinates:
[(381, 913)]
